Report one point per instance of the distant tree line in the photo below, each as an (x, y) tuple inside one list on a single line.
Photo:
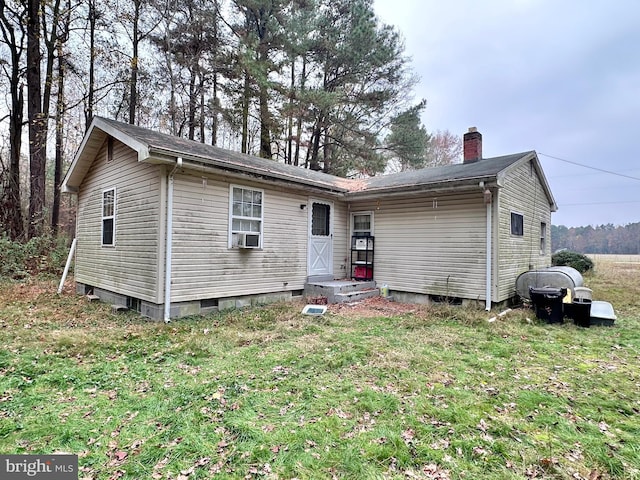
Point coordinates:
[(319, 84), (599, 239)]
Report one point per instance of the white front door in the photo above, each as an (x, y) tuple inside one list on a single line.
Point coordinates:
[(320, 238)]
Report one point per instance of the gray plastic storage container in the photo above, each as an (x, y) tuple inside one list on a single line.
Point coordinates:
[(556, 277)]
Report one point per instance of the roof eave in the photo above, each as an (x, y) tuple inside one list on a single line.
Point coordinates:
[(211, 164), (533, 156), (97, 132), (453, 185)]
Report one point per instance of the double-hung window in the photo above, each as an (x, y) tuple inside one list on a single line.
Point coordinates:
[(543, 238), (109, 217), (246, 217), (362, 224)]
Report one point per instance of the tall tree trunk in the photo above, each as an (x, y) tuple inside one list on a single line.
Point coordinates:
[(93, 14), (246, 98), (315, 139), (133, 87), (214, 112), (296, 158), (192, 104), (172, 82), (37, 124), (265, 117), (12, 29), (14, 222), (265, 122), (216, 48), (57, 174), (201, 122), (288, 157), (326, 153), (51, 41)]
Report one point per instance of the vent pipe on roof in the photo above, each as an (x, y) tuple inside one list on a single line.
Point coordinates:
[(472, 145)]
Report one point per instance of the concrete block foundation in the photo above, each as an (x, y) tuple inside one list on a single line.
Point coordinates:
[(184, 309)]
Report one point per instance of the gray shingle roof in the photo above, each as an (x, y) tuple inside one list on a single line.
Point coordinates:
[(150, 143), (485, 168), (208, 153)]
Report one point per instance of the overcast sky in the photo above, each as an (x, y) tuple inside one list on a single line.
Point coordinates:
[(561, 77)]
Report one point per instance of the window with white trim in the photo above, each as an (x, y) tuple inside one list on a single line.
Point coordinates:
[(246, 215), (109, 217), (543, 238), (362, 224), (517, 224)]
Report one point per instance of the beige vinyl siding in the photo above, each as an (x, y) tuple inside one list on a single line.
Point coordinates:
[(522, 193), (340, 242), (430, 245), (131, 266), (204, 267)]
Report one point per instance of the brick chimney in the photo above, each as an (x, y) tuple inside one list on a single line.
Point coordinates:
[(472, 145)]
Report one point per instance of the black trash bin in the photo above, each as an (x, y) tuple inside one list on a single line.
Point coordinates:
[(547, 302), (581, 312)]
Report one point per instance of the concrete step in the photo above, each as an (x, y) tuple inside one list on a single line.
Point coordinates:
[(93, 298), (333, 287), (348, 297), (118, 308)]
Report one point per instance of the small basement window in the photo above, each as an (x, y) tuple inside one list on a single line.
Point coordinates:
[(134, 304), (517, 224)]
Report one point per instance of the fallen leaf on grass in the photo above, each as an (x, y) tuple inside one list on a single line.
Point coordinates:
[(161, 464), (482, 426), (477, 450), (175, 441), (111, 394), (117, 459), (430, 472), (408, 435), (440, 444), (531, 472), (121, 455), (117, 474), (548, 462), (338, 413), (594, 475)]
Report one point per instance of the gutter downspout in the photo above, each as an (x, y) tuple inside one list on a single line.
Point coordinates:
[(169, 243), (487, 201)]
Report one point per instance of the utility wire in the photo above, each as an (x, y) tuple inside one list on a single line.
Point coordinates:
[(588, 166), (597, 203)]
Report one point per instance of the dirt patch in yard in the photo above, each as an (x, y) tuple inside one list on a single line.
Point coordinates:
[(374, 307)]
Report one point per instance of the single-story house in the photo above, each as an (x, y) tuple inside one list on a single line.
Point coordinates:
[(173, 227)]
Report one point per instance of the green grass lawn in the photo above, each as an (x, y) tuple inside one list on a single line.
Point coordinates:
[(426, 392)]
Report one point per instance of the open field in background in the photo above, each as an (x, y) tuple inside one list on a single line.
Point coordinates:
[(603, 260), (377, 391)]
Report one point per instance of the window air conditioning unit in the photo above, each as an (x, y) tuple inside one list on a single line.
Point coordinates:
[(245, 240), (363, 244)]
